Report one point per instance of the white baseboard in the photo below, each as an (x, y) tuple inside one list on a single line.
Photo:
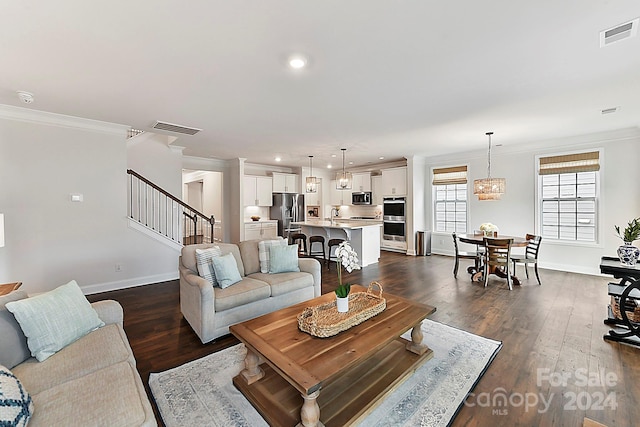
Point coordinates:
[(128, 283)]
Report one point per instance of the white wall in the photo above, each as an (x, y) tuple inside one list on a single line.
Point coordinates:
[(515, 213), (51, 240)]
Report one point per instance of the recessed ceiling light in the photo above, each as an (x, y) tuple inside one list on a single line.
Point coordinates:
[(297, 62), (334, 155), (350, 163), (381, 158), (277, 159), (329, 166)]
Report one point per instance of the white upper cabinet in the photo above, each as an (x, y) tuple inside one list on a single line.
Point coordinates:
[(376, 190), (285, 183), (258, 190), (394, 181), (339, 197), (361, 182)]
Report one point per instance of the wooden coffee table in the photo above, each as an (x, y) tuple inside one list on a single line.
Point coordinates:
[(341, 378)]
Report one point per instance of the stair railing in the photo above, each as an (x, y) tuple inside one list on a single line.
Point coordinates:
[(157, 209)]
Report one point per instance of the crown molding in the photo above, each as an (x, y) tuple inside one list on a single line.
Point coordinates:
[(28, 115)]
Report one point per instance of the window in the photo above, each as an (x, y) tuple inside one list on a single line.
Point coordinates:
[(450, 199), (568, 197)]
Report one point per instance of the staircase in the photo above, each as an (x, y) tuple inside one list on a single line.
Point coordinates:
[(165, 217)]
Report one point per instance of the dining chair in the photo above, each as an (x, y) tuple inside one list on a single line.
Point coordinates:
[(497, 255), (530, 255), (463, 255)]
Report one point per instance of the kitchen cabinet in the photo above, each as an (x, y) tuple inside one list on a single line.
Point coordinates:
[(394, 181), (258, 190), (376, 190), (285, 183), (339, 197), (314, 199), (361, 182), (260, 230)]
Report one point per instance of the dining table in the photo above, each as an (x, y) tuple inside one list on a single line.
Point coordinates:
[(478, 240)]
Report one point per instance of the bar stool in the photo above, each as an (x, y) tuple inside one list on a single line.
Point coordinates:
[(297, 238), (315, 254), (332, 242)]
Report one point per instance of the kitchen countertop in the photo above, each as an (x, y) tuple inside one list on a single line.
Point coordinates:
[(250, 221), (349, 224)]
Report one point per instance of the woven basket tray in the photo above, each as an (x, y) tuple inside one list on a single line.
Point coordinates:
[(631, 307), (324, 320)]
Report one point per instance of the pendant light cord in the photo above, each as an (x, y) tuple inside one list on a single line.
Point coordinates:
[(489, 156)]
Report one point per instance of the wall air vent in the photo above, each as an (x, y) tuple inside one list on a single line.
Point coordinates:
[(619, 32), (610, 110), (175, 128)]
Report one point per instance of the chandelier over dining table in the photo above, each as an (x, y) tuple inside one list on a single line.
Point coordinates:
[(489, 188)]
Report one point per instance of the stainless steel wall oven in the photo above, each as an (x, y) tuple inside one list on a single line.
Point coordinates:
[(393, 219)]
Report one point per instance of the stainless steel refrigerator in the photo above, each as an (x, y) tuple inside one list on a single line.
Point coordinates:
[(287, 208)]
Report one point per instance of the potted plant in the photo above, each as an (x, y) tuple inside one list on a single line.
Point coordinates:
[(628, 253), (348, 258)]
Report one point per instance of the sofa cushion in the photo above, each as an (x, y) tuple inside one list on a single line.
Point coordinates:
[(107, 397), (204, 263), (283, 283), (14, 347), (226, 270), (283, 259), (103, 347), (246, 291), (263, 253), (250, 256), (16, 405), (55, 319)]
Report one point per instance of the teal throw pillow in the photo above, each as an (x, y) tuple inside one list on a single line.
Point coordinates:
[(16, 406), (55, 319), (283, 259), (226, 270)]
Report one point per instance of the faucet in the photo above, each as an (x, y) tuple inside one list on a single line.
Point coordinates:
[(337, 211)]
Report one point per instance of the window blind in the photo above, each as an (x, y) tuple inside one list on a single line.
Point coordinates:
[(570, 163), (452, 175)]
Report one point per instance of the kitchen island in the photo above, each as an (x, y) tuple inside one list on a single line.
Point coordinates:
[(364, 236)]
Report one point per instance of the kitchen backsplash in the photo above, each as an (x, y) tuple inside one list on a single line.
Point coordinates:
[(360, 210)]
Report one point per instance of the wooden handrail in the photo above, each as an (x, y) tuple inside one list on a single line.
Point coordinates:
[(210, 220)]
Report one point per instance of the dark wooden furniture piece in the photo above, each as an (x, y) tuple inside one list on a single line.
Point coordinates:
[(530, 256), (301, 240), (340, 378), (331, 244), (627, 291), (475, 256), (320, 252), (497, 255), (9, 287), (478, 239)]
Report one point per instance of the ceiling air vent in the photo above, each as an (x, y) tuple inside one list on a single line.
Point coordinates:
[(609, 110), (619, 32), (176, 128)]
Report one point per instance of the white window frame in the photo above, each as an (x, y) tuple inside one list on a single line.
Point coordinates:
[(434, 202), (598, 243)]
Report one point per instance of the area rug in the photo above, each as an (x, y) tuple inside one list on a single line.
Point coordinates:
[(200, 393)]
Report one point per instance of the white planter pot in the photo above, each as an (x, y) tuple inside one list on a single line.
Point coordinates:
[(343, 304)]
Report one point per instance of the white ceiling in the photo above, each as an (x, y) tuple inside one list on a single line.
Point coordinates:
[(386, 77)]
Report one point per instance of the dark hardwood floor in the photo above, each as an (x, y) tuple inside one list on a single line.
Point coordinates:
[(554, 356)]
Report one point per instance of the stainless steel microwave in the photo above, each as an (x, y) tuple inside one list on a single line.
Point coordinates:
[(361, 198)]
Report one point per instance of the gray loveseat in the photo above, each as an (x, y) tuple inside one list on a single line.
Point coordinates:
[(91, 382), (211, 310)]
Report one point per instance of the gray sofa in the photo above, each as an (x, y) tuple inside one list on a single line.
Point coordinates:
[(211, 310), (91, 382)]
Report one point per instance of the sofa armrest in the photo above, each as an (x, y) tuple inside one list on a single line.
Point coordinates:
[(197, 303), (109, 311), (311, 265)]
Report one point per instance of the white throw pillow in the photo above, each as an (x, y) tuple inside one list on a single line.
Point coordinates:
[(263, 252), (55, 319), (205, 265), (16, 406)]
